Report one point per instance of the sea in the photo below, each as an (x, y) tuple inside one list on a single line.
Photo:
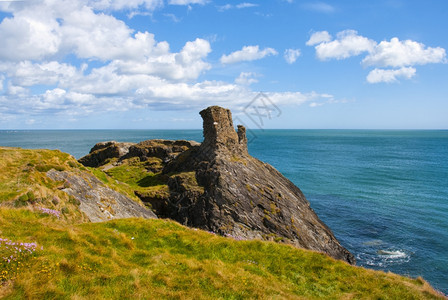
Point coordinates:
[(384, 193)]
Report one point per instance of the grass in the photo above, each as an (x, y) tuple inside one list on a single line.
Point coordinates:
[(135, 175), (136, 258)]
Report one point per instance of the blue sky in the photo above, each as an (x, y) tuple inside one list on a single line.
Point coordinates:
[(153, 64)]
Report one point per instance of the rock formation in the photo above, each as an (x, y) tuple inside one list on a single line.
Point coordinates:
[(97, 201), (244, 197), (105, 152), (217, 186)]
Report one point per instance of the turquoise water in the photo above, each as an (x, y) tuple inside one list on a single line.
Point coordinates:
[(383, 193)]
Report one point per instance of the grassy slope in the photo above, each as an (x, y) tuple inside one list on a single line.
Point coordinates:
[(23, 180), (136, 258)]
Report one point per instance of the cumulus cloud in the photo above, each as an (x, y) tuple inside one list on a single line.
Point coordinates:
[(28, 36), (74, 58), (319, 37), (96, 36), (399, 56), (247, 53), (187, 2), (26, 73), (150, 5), (388, 76), (347, 43), (398, 53), (246, 78), (291, 55)]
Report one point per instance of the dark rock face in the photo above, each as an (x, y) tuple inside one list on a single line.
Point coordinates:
[(244, 197)]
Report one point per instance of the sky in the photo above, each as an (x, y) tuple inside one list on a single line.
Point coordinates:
[(154, 64)]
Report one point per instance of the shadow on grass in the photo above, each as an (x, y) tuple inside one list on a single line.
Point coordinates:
[(153, 180)]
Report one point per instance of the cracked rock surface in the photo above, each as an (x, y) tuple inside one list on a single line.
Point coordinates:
[(97, 201)]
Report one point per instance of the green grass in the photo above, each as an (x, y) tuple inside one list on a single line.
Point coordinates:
[(136, 176), (136, 258)]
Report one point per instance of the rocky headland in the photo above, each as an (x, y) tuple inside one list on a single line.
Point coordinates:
[(217, 186)]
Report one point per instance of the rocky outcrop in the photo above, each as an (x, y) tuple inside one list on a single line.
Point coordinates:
[(97, 201), (105, 152), (244, 197), (217, 186), (166, 150)]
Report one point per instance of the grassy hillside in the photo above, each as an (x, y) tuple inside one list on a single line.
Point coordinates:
[(136, 258), (47, 252), (24, 183)]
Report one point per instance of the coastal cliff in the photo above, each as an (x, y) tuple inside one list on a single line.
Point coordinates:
[(217, 186), (70, 231)]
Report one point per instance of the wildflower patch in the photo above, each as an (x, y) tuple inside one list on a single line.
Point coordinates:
[(14, 257)]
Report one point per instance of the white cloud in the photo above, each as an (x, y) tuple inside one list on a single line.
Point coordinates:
[(348, 43), (28, 36), (319, 37), (291, 55), (319, 7), (150, 5), (315, 104), (246, 5), (237, 6), (115, 68), (247, 53), (188, 64), (187, 2), (381, 75), (246, 78), (99, 36), (398, 53), (26, 73), (16, 90)]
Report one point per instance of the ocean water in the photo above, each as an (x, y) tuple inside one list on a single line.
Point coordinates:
[(383, 193)]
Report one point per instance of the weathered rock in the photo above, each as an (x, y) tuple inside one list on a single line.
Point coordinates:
[(97, 201), (102, 152), (242, 196), (166, 150)]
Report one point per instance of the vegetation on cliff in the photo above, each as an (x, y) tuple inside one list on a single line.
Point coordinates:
[(63, 257), (148, 259)]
